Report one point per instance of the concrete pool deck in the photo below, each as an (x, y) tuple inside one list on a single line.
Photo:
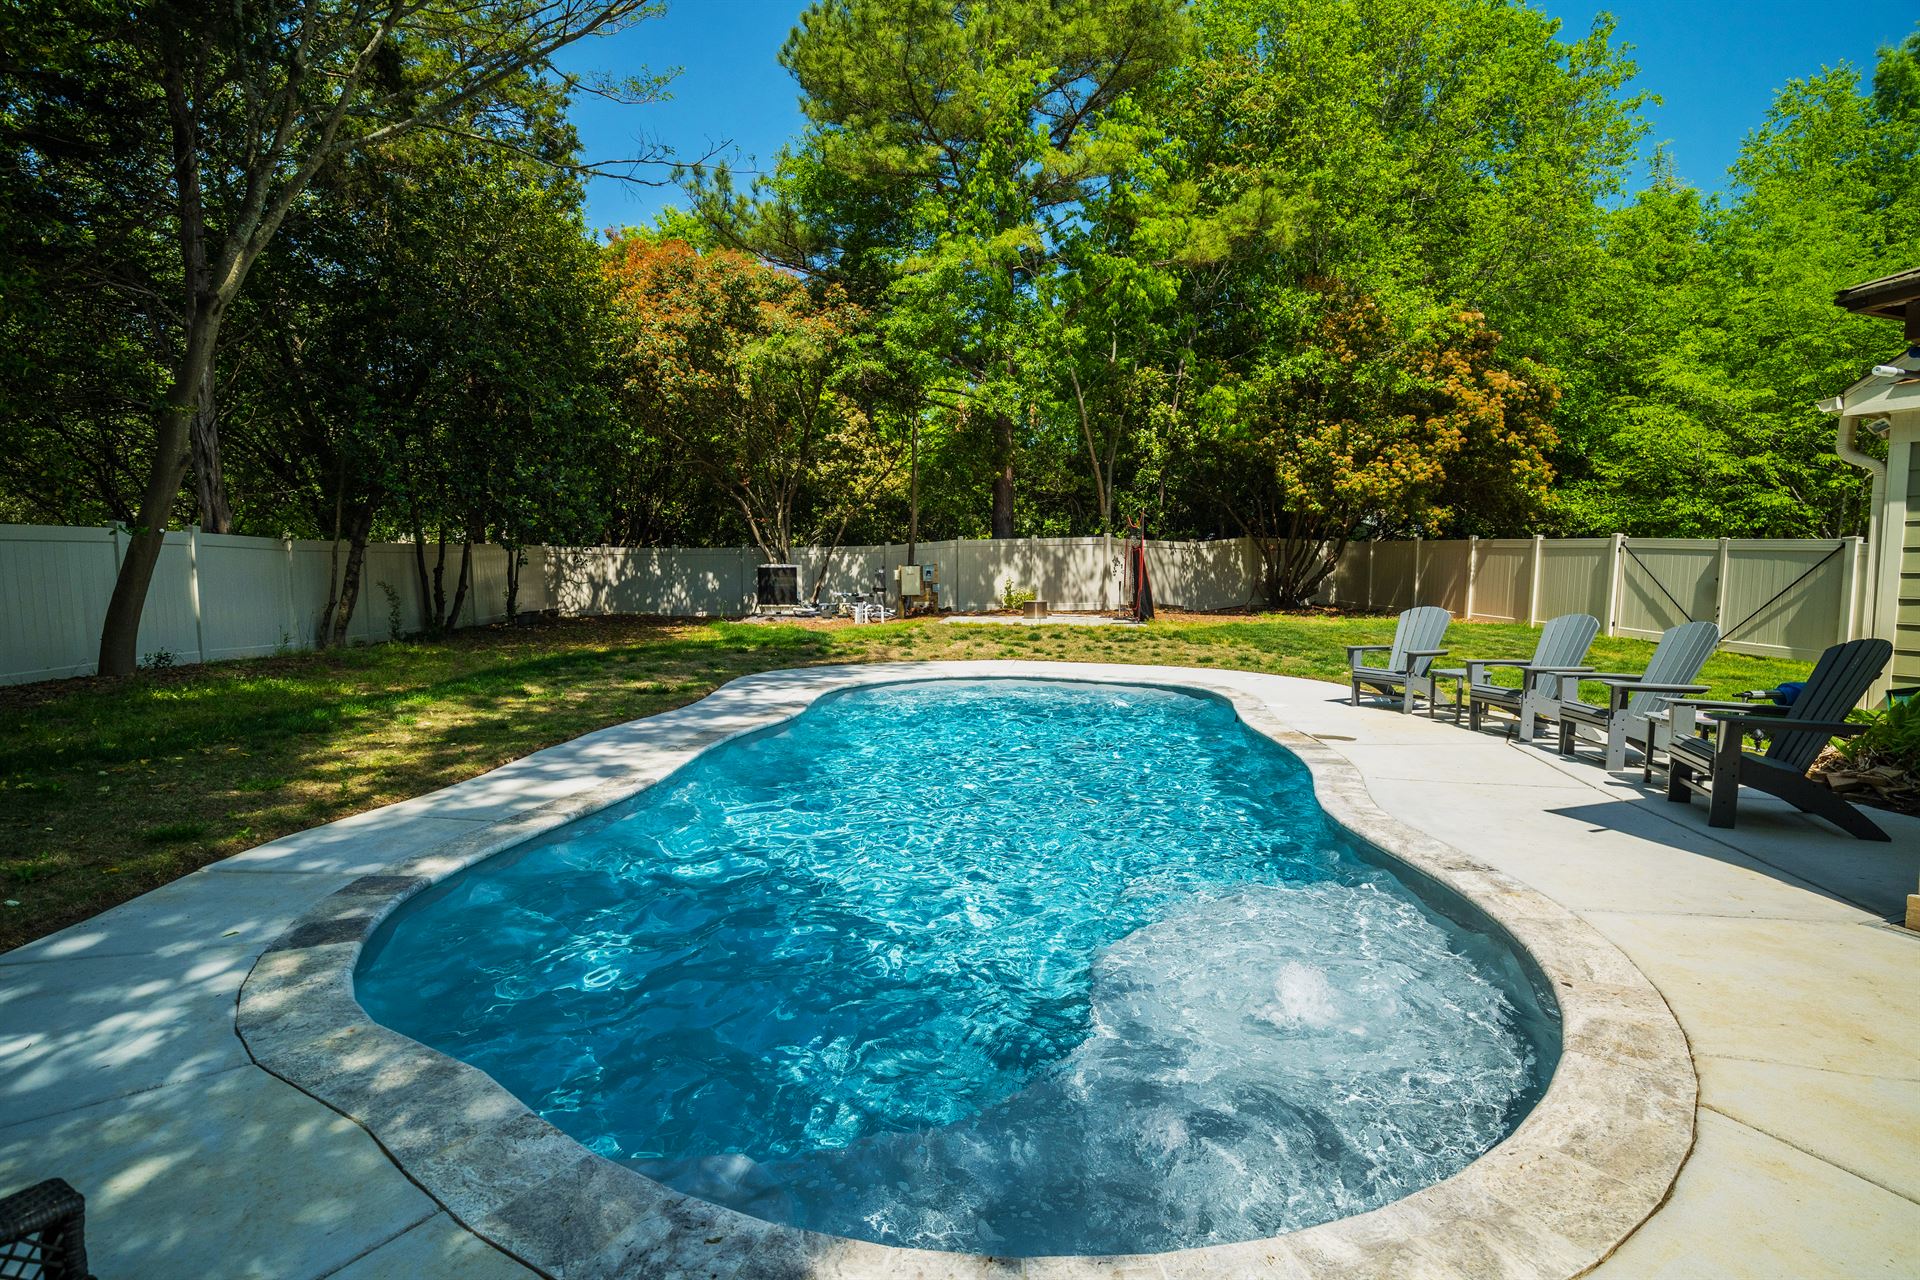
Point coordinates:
[(120, 1068)]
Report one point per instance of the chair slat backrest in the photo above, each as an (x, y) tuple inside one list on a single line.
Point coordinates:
[(1420, 628), (1677, 659), (1564, 641), (1839, 680)]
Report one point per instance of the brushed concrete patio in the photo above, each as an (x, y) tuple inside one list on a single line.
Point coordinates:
[(120, 1069)]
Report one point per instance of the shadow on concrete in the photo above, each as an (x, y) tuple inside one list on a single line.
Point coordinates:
[(1773, 837)]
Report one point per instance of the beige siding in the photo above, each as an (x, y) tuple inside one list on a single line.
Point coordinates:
[(1906, 640)]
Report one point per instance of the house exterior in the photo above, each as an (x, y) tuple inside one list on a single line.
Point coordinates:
[(1886, 403)]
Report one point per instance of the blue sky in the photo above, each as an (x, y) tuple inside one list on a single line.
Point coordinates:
[(1716, 66)]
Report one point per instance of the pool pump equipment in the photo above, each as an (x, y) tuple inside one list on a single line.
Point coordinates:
[(918, 586)]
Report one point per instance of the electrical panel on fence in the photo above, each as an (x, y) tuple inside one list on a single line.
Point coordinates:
[(918, 579)]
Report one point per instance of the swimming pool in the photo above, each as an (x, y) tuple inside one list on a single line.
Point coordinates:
[(1018, 967)]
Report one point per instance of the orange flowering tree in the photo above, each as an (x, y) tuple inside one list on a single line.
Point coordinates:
[(1367, 424), (757, 382)]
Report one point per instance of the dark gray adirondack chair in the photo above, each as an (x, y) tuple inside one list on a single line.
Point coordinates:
[(1563, 645), (1409, 665), (1796, 735), (1632, 700)]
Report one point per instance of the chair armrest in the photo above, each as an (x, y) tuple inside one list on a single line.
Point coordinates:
[(1355, 650), (1531, 675), (1477, 666), (1618, 691), (1526, 665), (1425, 653), (38, 1208), (1641, 686), (1832, 728)]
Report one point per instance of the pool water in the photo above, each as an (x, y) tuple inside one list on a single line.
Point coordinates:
[(1014, 967)]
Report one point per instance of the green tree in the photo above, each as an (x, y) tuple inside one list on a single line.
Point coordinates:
[(240, 108), (1367, 422), (1696, 353), (756, 379), (949, 149), (425, 354)]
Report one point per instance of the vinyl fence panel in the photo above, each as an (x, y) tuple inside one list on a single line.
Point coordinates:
[(1665, 582), (54, 585), (1502, 579), (216, 597), (1788, 599), (1444, 567), (1574, 573), (1393, 575)]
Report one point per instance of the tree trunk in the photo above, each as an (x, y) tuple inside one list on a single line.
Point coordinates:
[(359, 525), (209, 481), (333, 559), (1002, 476), (440, 583), (460, 586), (514, 561), (120, 631), (420, 564)]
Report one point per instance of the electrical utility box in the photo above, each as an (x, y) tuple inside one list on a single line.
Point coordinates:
[(914, 581)]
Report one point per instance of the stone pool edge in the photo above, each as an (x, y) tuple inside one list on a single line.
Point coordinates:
[(1595, 1157)]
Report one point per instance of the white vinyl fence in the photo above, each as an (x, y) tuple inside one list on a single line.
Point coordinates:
[(216, 597), (1776, 597), (1068, 573), (213, 596)]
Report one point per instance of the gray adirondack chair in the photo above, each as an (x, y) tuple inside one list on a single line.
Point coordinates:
[(1634, 700), (1718, 767), (1409, 664), (1563, 645)]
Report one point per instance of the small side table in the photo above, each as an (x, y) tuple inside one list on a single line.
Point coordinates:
[(1459, 677)]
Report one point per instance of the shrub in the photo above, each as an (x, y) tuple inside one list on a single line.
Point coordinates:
[(1892, 740), (1012, 597)]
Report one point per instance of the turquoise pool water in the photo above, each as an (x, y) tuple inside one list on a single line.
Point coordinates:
[(1009, 966)]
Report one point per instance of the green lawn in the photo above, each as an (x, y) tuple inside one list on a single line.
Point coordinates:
[(110, 788)]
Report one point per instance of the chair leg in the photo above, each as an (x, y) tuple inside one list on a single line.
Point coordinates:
[(1816, 798), (1566, 737), (1723, 798), (1406, 696), (1678, 775), (1841, 814), (1616, 742), (1523, 732), (1356, 693)]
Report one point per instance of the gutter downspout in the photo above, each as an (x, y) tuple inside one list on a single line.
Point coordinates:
[(1848, 449), (1843, 444)]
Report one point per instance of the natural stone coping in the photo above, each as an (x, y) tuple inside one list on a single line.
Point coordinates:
[(1595, 1156)]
